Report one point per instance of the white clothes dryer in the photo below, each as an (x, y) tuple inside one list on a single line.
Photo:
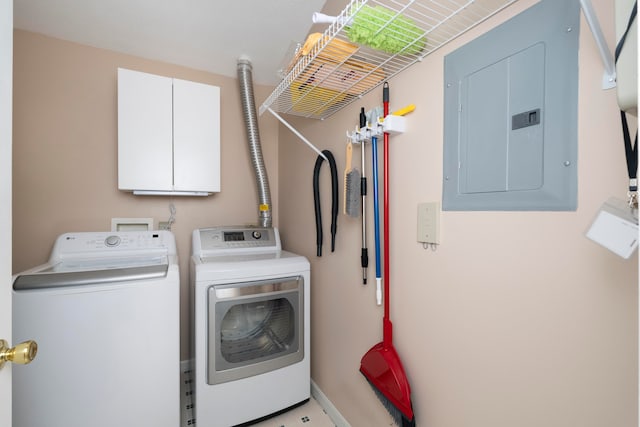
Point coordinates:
[(104, 312), (251, 325)]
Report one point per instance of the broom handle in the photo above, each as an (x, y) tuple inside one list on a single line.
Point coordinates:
[(387, 335), (364, 254)]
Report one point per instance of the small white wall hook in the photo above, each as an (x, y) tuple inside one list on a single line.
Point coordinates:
[(353, 137), (361, 133), (356, 136)]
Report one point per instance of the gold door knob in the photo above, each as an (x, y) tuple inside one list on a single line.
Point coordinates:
[(23, 353)]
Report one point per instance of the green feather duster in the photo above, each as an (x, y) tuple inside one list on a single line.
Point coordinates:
[(396, 36)]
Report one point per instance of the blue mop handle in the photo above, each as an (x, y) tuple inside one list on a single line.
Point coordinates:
[(376, 218)]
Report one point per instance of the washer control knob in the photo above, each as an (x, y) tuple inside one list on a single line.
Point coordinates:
[(256, 235), (112, 241)]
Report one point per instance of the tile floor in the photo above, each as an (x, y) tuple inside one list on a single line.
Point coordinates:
[(310, 414)]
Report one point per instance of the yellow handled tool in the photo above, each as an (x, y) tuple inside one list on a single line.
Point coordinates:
[(406, 110)]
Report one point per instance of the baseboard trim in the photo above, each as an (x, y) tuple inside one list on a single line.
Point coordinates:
[(328, 407)]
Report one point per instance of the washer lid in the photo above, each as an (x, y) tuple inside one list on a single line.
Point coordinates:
[(98, 264), (75, 273)]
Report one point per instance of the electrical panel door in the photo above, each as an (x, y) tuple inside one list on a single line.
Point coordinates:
[(510, 127)]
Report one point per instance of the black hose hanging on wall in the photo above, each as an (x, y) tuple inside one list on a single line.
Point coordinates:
[(334, 200), (253, 135)]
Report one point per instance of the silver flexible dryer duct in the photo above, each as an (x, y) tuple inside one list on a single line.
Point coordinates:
[(253, 134)]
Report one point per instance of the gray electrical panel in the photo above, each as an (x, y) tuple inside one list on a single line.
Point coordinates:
[(510, 122)]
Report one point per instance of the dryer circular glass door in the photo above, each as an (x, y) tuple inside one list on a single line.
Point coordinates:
[(254, 327)]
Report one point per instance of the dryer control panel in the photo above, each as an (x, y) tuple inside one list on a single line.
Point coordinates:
[(230, 240)]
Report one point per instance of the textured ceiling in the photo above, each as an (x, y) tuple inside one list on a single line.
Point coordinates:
[(202, 34)]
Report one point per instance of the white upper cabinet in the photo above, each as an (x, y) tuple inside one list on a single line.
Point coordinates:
[(168, 135)]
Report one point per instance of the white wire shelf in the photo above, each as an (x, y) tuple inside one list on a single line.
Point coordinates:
[(341, 65)]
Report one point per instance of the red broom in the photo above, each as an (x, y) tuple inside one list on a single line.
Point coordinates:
[(381, 365)]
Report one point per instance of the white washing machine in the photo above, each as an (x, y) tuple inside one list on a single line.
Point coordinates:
[(105, 314), (251, 325)]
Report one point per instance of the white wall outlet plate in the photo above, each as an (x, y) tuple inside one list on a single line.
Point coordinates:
[(429, 223)]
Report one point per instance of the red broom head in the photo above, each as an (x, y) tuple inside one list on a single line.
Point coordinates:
[(383, 369)]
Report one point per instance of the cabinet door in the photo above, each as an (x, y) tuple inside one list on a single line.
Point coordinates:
[(144, 131), (196, 136)]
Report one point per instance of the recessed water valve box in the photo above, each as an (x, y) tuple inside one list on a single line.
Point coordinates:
[(131, 224)]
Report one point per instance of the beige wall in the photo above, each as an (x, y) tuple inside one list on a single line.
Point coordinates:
[(516, 319), (65, 153)]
